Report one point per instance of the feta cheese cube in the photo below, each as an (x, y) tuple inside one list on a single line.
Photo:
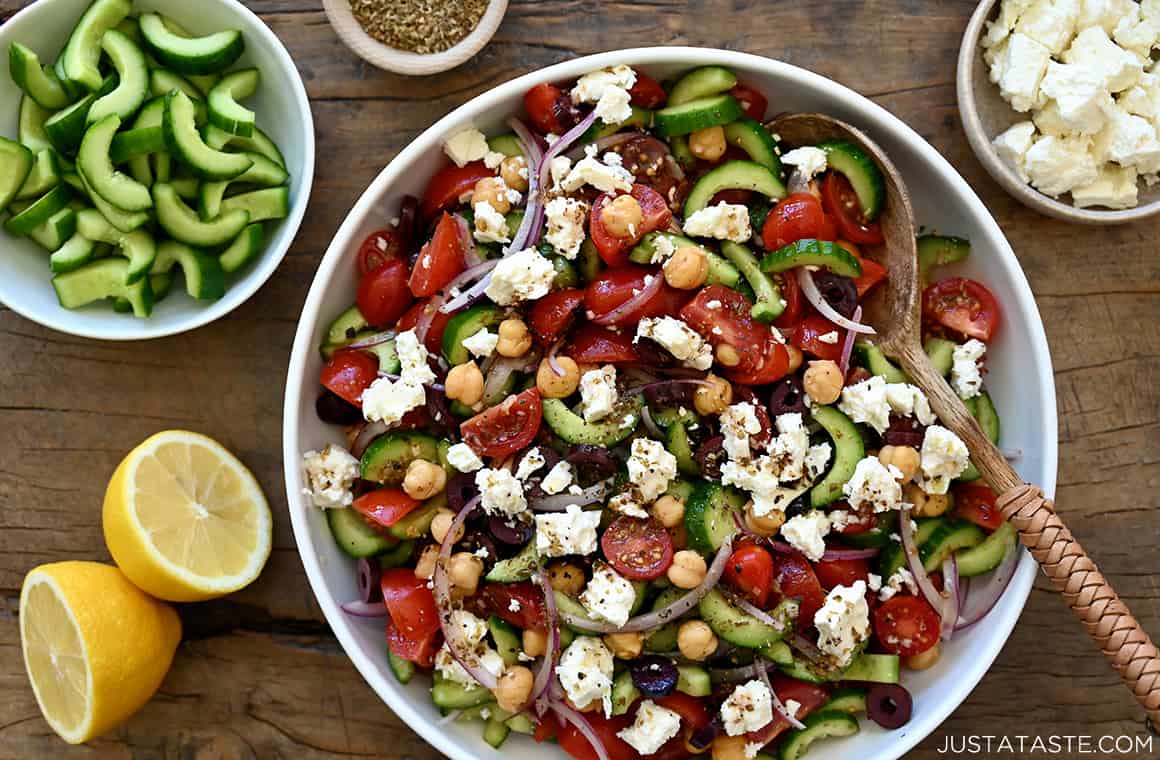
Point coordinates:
[(909, 401), (965, 376), (465, 146), (388, 400), (614, 106), (521, 276), (1143, 99), (866, 403), (330, 476), (874, 484), (1093, 49), (608, 596), (1050, 22), (565, 217), (604, 176), (1012, 146), (944, 457), (558, 169), (558, 478), (471, 632), (650, 468), (1022, 66), (590, 88), (816, 459), (463, 458), (738, 422), (501, 492), (996, 60), (725, 221), (628, 503), (902, 579), (413, 359), (598, 394), (843, 622), (831, 337), (1115, 188), (809, 161), (481, 343), (1057, 164), (490, 225), (678, 339), (1129, 141), (654, 725), (531, 461), (807, 533), (760, 478), (572, 531), (585, 672), (789, 449), (748, 708), (1079, 94)]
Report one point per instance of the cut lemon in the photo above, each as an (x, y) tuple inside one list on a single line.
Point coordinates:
[(185, 520), (95, 646)]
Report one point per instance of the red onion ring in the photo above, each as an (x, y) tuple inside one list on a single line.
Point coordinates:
[(561, 501), (373, 340), (370, 575), (743, 673), (582, 725), (498, 375), (848, 344), (981, 598), (810, 289), (665, 383), (449, 718), (362, 609), (754, 611), (805, 647), (472, 294), (530, 225), (910, 549), (650, 424), (369, 432), (561, 145), (555, 365), (548, 666), (840, 554), (778, 707), (950, 608), (470, 254), (620, 312)]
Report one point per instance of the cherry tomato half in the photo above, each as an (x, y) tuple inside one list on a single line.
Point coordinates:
[(791, 293), (383, 295), (795, 217), (528, 609), (420, 650), (773, 366), (750, 571), (841, 572), (906, 625), (729, 321), (963, 305), (638, 548), (593, 344), (348, 373), (549, 109), (809, 333), (384, 507), (440, 260), (614, 250), (606, 729), (794, 578), (379, 247), (809, 696), (449, 185), (842, 202), (410, 603), (752, 101), (552, 315), (647, 92), (434, 338), (506, 427), (976, 502), (613, 287)]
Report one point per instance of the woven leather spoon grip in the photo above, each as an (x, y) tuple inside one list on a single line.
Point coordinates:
[(1106, 619)]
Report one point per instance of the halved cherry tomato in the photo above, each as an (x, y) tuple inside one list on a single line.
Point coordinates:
[(529, 603), (773, 366), (379, 247), (410, 603), (553, 314), (549, 109), (976, 502), (384, 507), (449, 184), (434, 339), (647, 92), (872, 274), (638, 548), (350, 372), (794, 578), (750, 571), (841, 572), (791, 293), (383, 295), (963, 305), (420, 650), (795, 217), (593, 344), (614, 250), (575, 744), (691, 709), (906, 625), (752, 101), (809, 696), (808, 337), (730, 322), (613, 287), (842, 202), (440, 260), (506, 427)]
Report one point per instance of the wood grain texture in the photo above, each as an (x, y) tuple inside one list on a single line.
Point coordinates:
[(260, 676)]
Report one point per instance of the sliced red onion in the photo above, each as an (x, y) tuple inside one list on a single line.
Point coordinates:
[(950, 608), (644, 296), (548, 666), (754, 611), (840, 554), (472, 294), (373, 340), (449, 718), (561, 145), (673, 611), (369, 432), (499, 374), (848, 344), (810, 289), (359, 608), (534, 205), (552, 362), (608, 142), (659, 384), (674, 168), (778, 706), (582, 725), (427, 316), (910, 549), (986, 591), (650, 424), (805, 648), (370, 574), (561, 501), (470, 254)]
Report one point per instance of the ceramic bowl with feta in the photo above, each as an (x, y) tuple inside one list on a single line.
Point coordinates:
[(589, 443)]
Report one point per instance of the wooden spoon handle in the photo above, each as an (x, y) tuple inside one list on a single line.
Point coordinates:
[(1104, 616)]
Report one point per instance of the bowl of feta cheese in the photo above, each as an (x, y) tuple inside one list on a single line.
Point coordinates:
[(1019, 379), (1060, 100)]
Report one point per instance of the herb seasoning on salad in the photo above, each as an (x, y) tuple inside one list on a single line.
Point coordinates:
[(418, 26), (625, 469)]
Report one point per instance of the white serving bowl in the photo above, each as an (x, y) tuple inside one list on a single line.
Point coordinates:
[(1020, 380), (283, 112)]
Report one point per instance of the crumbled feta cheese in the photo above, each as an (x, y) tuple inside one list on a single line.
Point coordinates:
[(1093, 49), (748, 708), (789, 449), (598, 393), (1050, 22), (1143, 99), (490, 225), (760, 478), (874, 582), (589, 170), (413, 358), (591, 87), (816, 459), (388, 400), (532, 461), (1057, 164), (944, 458), (663, 248), (738, 422), (463, 458), (614, 106), (809, 161), (1127, 140), (465, 146), (965, 376), (482, 342), (493, 159), (502, 492), (902, 579), (650, 468), (807, 533), (843, 622), (330, 475), (725, 221), (654, 725), (1004, 24), (866, 403), (572, 531), (1080, 95), (1115, 188), (558, 478), (628, 503), (565, 217), (585, 672), (471, 632), (1012, 145), (909, 401), (1136, 33), (608, 596), (1102, 13), (521, 276), (874, 484), (678, 338), (1021, 69)]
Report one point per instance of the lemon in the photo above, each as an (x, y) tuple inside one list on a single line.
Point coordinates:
[(185, 520), (95, 646)]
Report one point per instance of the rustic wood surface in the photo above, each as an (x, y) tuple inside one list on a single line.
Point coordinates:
[(260, 676)]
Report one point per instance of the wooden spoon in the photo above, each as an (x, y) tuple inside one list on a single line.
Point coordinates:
[(895, 311)]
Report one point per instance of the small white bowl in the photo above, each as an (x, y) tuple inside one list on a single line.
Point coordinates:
[(283, 112), (985, 115), (1019, 379), (404, 62)]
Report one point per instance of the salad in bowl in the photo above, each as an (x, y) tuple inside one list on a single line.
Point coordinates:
[(624, 469)]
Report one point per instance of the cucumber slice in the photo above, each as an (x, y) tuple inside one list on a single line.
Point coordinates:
[(388, 456), (404, 670), (701, 83), (346, 327), (186, 187), (937, 250), (740, 628), (95, 166), (769, 304), (848, 451), (38, 82), (268, 203), (44, 176), (15, 166), (988, 555), (506, 638), (185, 142), (38, 212), (754, 139), (136, 142), (679, 145), (865, 177), (824, 724), (495, 732), (948, 537), (204, 278), (190, 55), (66, 127), (82, 53), (103, 279), (131, 29), (448, 695), (624, 693), (180, 221), (721, 272), (941, 353), (575, 429), (132, 77), (30, 129), (462, 326), (224, 110), (76, 252), (417, 524), (871, 357), (809, 252), (246, 248), (56, 230), (734, 175), (984, 412), (507, 144), (878, 536), (354, 536), (873, 668), (125, 221), (847, 699), (639, 117), (518, 568), (713, 111), (709, 514), (163, 81), (258, 142), (694, 681)]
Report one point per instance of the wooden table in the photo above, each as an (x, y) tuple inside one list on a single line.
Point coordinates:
[(259, 674)]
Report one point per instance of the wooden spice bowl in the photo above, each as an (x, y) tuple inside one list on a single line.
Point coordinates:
[(985, 115), (351, 32)]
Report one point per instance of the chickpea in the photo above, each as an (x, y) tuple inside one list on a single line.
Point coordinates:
[(925, 504), (687, 268), (622, 216), (514, 338), (715, 398), (729, 747), (425, 567), (464, 383), (669, 511), (727, 355), (566, 577), (463, 571), (688, 569), (763, 525), (441, 523), (626, 646), (513, 170), (696, 640), (513, 688), (708, 144), (552, 385), (924, 660), (535, 642), (492, 190), (823, 381), (424, 479), (795, 357), (905, 458)]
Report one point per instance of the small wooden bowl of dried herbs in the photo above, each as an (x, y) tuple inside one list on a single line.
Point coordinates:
[(415, 37)]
